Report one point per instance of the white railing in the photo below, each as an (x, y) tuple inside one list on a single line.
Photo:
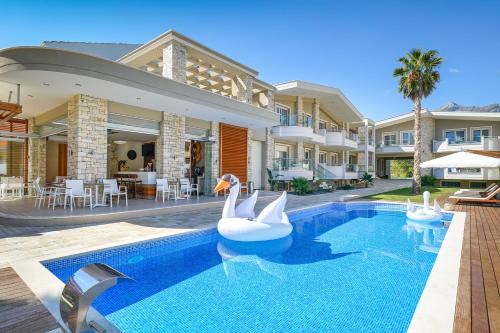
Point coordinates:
[(486, 143)]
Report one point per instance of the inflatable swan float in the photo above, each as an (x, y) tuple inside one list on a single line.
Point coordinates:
[(425, 213), (239, 223)]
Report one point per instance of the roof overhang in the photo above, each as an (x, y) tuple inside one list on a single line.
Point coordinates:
[(51, 76), (332, 100), (493, 116)]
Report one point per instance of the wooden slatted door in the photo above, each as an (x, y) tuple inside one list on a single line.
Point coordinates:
[(233, 143), (62, 163)]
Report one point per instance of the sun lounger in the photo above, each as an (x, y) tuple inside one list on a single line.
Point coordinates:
[(485, 192), (467, 197)]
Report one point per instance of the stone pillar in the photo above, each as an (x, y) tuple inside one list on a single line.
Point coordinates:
[(269, 157), (315, 116), (174, 62), (299, 110), (249, 156), (244, 88), (270, 100), (170, 147), (316, 155), (300, 151), (87, 137), (428, 129), (37, 155)]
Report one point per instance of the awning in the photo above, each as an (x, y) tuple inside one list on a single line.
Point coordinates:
[(462, 159)]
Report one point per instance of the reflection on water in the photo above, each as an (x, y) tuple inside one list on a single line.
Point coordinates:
[(428, 236)]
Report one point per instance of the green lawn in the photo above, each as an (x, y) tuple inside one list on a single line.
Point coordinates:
[(404, 193)]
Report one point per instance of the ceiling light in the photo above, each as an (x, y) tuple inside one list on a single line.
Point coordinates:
[(138, 98), (46, 84), (120, 142), (78, 84), (30, 96)]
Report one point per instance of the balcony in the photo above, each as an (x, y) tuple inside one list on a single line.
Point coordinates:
[(362, 145), (294, 128), (395, 147), (340, 139), (467, 173), (288, 168), (337, 171), (447, 146)]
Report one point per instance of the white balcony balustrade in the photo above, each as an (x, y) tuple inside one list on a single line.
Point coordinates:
[(467, 173), (288, 168), (395, 147), (362, 143), (340, 139), (294, 128), (485, 143), (337, 171)]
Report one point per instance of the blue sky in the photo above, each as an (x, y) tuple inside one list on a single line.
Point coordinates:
[(352, 45)]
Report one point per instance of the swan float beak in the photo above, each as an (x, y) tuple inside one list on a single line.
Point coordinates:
[(223, 184)]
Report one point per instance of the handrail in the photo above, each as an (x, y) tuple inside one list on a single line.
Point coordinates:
[(284, 164)]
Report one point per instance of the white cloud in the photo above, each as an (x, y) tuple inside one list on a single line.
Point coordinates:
[(454, 70)]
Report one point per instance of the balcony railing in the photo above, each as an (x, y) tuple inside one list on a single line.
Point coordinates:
[(489, 143), (363, 141), (396, 143), (291, 164), (296, 120), (363, 168)]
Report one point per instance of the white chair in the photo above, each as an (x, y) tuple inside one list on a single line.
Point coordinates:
[(41, 193), (75, 190), (112, 189), (163, 187), (187, 188)]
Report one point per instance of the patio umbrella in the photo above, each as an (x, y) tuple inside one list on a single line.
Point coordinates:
[(462, 159)]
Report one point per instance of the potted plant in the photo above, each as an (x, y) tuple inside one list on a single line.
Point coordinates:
[(366, 179)]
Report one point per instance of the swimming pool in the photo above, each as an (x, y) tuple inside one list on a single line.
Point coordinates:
[(347, 267)]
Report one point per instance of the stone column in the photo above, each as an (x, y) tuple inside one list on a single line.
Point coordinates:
[(300, 151), (170, 147), (315, 116), (37, 155), (244, 86), (428, 129), (270, 100), (87, 137), (269, 157), (316, 155), (249, 156), (174, 62), (299, 110)]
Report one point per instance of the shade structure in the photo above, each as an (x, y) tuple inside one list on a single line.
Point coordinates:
[(462, 159)]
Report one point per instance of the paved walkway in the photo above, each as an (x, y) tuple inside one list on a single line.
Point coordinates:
[(41, 243)]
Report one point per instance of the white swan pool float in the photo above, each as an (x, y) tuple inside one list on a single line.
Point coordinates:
[(425, 213), (239, 223)]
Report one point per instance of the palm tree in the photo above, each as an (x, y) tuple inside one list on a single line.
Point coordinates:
[(418, 76)]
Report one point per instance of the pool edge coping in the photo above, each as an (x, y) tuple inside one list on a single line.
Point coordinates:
[(435, 311)]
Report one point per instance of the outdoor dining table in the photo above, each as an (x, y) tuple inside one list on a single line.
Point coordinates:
[(95, 185)]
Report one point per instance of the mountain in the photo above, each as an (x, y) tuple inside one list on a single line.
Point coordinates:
[(454, 107)]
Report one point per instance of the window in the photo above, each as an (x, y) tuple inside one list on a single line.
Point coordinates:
[(281, 151), (445, 183), (334, 158), (407, 138), (308, 120), (477, 185), (284, 113), (322, 124), (455, 135), (389, 139), (464, 170), (322, 158), (307, 154), (478, 132)]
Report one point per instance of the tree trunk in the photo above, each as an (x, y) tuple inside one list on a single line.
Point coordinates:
[(418, 147)]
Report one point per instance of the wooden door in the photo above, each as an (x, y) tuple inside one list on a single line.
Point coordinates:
[(233, 143), (62, 162)]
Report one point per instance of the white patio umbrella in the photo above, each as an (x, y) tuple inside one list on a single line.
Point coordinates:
[(462, 159)]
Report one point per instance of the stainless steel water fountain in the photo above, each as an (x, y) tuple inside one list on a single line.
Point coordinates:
[(81, 290)]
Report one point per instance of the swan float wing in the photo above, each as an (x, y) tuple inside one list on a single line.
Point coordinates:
[(273, 213), (246, 208)]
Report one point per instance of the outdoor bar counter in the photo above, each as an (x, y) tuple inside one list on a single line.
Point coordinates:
[(146, 179)]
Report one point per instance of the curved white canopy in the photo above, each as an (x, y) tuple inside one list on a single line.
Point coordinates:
[(462, 159)]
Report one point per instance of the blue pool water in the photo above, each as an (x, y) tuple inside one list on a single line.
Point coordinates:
[(347, 267)]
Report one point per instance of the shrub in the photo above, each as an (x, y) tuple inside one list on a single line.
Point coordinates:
[(367, 178), (300, 185), (347, 187), (428, 180)]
